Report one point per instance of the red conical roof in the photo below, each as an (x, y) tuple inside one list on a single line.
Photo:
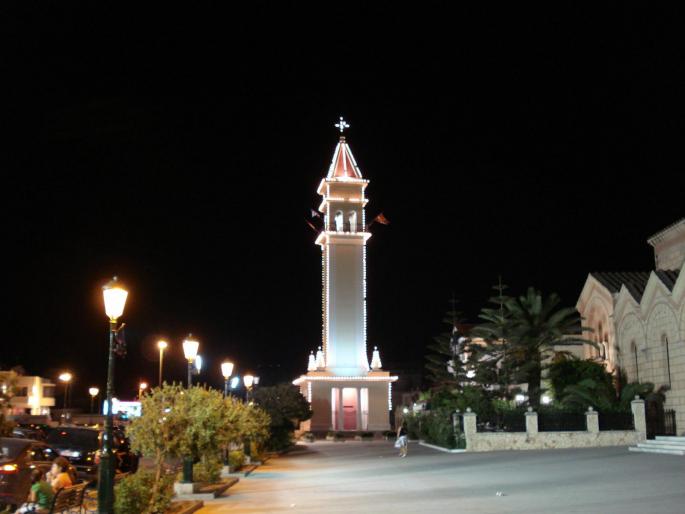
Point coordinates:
[(343, 163)]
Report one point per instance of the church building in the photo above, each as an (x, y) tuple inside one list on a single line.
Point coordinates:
[(638, 319), (345, 392)]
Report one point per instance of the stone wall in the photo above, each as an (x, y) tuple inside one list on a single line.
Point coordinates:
[(532, 439)]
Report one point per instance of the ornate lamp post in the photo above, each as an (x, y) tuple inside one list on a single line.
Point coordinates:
[(190, 346), (115, 300), (162, 346), (248, 380), (93, 392), (226, 371)]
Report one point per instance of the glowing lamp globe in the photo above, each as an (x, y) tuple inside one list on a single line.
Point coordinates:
[(190, 347), (248, 380), (65, 377), (162, 345), (198, 363), (93, 391), (115, 299), (226, 369)]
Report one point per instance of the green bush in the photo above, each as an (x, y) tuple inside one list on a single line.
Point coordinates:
[(281, 438), (208, 470), (437, 428), (133, 494), (236, 458)]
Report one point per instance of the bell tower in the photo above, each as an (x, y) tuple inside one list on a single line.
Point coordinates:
[(345, 392)]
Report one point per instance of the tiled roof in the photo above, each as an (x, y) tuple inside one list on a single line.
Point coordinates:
[(635, 281), (668, 277)]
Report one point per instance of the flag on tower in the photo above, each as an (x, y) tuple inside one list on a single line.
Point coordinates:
[(315, 214), (382, 219), (311, 225)]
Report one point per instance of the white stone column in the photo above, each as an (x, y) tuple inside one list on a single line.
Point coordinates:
[(592, 420), (470, 428), (639, 418), (359, 408), (341, 410), (531, 422)]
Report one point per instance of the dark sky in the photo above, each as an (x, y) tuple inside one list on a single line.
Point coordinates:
[(181, 150)]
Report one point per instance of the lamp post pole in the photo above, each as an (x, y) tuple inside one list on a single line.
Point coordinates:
[(190, 346), (93, 391), (115, 299)]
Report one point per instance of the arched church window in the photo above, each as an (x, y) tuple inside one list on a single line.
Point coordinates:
[(339, 221), (667, 357), (633, 349), (352, 218)]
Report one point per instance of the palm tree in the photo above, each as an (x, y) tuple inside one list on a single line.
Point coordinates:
[(536, 325)]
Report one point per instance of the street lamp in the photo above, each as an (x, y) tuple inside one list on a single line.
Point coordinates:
[(190, 346), (66, 378), (93, 391), (162, 346), (141, 389), (248, 380), (226, 371), (114, 296)]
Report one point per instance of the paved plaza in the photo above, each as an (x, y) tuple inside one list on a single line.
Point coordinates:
[(355, 477)]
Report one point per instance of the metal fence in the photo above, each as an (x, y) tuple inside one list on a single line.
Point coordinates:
[(560, 421), (616, 421), (508, 421)]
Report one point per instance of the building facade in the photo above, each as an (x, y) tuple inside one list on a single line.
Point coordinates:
[(33, 395), (638, 319), (345, 392)]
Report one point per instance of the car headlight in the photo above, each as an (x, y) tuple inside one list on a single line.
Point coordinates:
[(74, 454)]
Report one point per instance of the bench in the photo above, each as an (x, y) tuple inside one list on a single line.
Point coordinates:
[(68, 498)]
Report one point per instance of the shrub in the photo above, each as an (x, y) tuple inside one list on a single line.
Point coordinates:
[(308, 437), (437, 428), (208, 470), (281, 438), (236, 458), (133, 494)]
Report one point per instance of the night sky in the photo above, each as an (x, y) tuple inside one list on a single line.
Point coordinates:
[(181, 150)]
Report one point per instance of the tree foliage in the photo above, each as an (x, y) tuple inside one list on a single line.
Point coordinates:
[(286, 408), (566, 372), (446, 371), (198, 422)]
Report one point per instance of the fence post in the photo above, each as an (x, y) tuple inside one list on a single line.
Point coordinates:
[(592, 420), (639, 419), (469, 427), (531, 422)]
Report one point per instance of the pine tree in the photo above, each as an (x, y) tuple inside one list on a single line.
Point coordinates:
[(494, 361), (446, 371)]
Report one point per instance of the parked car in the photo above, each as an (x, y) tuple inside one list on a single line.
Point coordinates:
[(82, 445), (18, 457)]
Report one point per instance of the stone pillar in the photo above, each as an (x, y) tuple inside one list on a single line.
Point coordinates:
[(592, 420), (531, 422), (469, 428), (639, 418)]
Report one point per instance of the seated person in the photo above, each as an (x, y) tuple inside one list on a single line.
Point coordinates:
[(59, 476), (41, 495)]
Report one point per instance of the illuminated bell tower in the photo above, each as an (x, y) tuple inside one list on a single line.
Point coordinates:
[(345, 393), (343, 247)]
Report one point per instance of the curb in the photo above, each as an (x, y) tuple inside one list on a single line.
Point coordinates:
[(440, 448)]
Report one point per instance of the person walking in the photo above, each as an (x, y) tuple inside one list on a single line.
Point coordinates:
[(402, 443)]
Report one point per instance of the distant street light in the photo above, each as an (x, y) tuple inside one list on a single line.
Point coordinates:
[(93, 392), (226, 371), (66, 378), (162, 345), (114, 296), (190, 347), (198, 364), (141, 389)]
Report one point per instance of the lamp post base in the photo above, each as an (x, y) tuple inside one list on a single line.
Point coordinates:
[(105, 485)]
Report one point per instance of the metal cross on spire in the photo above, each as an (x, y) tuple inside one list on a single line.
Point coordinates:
[(342, 125)]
